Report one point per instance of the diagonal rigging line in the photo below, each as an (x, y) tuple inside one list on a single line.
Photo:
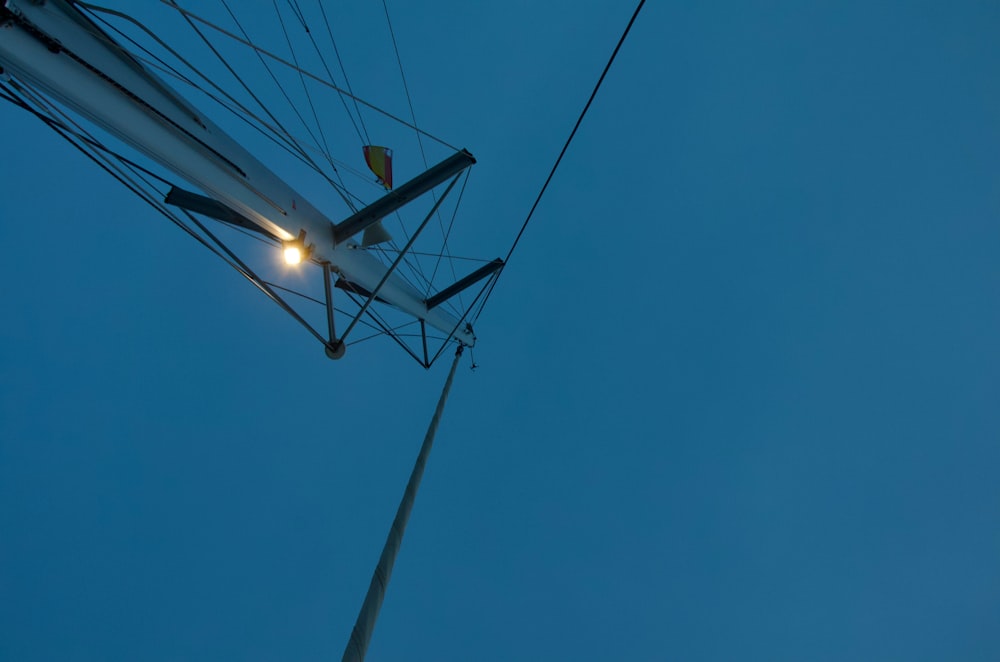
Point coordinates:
[(310, 299), (105, 157), (231, 71), (341, 190), (278, 130), (229, 67), (297, 10), (254, 122), (481, 261), (105, 162), (302, 79), (347, 81), (294, 6), (446, 250), (275, 133), (399, 258), (308, 74), (386, 328), (406, 89), (229, 103), (413, 118), (562, 153)]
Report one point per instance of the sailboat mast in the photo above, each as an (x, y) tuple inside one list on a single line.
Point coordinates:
[(54, 49)]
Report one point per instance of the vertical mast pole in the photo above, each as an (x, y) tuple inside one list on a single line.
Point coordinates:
[(362, 633)]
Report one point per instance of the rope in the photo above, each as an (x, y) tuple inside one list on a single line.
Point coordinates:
[(361, 635), (562, 153)]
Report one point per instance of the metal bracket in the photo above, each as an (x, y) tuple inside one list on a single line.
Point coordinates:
[(465, 283), (334, 348), (409, 191)]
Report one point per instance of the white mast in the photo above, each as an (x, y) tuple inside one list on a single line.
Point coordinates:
[(50, 46)]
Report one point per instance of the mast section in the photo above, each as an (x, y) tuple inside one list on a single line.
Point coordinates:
[(50, 46)]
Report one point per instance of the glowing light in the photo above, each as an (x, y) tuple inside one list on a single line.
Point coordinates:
[(293, 255), (295, 250)]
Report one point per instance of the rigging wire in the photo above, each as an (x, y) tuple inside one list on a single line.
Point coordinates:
[(414, 267), (406, 88), (104, 157), (311, 299), (289, 142), (478, 260), (293, 5), (420, 142), (385, 328), (297, 10), (173, 5), (276, 134), (447, 233), (562, 153), (395, 264), (347, 81), (302, 79), (340, 189), (117, 165), (264, 129)]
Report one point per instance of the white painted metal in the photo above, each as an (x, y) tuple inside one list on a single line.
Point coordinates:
[(177, 136)]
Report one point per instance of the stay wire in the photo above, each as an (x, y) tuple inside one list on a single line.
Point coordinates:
[(287, 141), (302, 79), (299, 14), (311, 299), (386, 328), (104, 158), (562, 153), (308, 74), (247, 117), (264, 129), (402, 74), (275, 133), (58, 125), (294, 6), (220, 249), (347, 81), (413, 118), (447, 234), (341, 190), (229, 67)]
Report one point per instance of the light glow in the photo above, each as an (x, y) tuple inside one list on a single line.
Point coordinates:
[(293, 255)]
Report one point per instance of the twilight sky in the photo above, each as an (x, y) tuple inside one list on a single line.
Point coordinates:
[(737, 394)]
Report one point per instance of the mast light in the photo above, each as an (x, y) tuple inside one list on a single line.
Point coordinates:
[(295, 251)]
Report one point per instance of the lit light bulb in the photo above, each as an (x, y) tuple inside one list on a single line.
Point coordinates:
[(293, 255), (295, 250)]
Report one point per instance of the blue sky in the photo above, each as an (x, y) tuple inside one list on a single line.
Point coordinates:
[(737, 394)]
